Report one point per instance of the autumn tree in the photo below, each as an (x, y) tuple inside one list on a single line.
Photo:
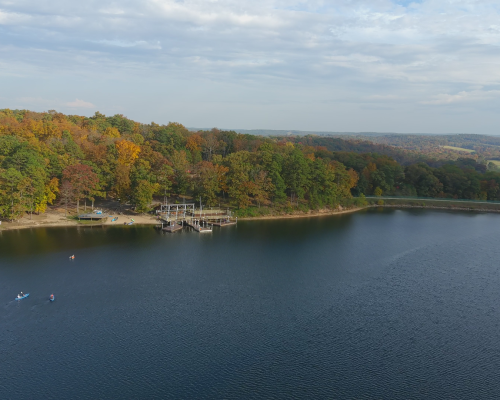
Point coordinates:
[(83, 181), (240, 187), (207, 182), (127, 152), (263, 188)]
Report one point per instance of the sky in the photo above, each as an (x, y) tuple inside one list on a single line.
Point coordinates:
[(428, 66)]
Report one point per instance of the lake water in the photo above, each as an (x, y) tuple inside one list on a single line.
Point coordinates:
[(384, 304)]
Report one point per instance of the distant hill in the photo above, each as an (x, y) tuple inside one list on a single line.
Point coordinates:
[(282, 132)]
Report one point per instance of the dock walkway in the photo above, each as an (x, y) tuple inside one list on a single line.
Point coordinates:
[(223, 223), (172, 228), (198, 228)]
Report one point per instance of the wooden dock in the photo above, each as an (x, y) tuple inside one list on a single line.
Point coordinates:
[(198, 228), (223, 223), (172, 228)]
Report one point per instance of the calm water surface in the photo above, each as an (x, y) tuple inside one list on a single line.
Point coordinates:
[(380, 304)]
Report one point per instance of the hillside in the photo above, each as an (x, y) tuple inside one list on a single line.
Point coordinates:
[(51, 157)]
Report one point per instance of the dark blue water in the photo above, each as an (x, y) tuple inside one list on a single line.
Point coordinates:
[(378, 304)]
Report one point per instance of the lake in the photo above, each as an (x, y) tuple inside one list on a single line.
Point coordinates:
[(386, 304)]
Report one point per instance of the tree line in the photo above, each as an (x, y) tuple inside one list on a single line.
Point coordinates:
[(51, 157)]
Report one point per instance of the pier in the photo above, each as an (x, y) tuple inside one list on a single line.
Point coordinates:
[(174, 227), (173, 217), (197, 226)]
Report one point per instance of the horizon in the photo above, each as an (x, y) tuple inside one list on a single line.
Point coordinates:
[(337, 66)]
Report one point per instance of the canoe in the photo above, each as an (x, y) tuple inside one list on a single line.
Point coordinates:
[(20, 298)]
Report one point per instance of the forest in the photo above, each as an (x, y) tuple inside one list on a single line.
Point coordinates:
[(443, 147), (52, 158)]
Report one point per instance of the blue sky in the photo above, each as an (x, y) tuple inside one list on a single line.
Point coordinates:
[(341, 65)]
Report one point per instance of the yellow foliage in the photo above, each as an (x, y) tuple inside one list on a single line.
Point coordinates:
[(52, 189), (112, 132), (42, 129), (127, 152)]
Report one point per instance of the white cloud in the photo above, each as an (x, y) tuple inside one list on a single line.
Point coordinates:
[(79, 104), (328, 52)]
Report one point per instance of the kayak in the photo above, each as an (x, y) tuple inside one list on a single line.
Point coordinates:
[(130, 223), (51, 297), (20, 298), (114, 219)]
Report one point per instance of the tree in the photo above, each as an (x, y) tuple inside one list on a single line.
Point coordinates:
[(143, 195), (422, 178), (164, 176), (181, 168), (65, 195), (207, 182), (11, 182), (296, 174), (127, 152), (82, 180), (240, 188), (210, 145), (112, 132), (263, 188), (122, 182)]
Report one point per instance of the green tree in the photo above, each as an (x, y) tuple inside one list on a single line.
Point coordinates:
[(143, 195), (207, 182)]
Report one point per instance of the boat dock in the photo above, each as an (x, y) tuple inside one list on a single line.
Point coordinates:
[(223, 223), (172, 228), (199, 227), (173, 217)]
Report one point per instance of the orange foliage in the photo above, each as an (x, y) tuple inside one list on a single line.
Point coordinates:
[(194, 143)]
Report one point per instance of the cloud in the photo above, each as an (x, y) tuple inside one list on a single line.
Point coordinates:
[(426, 52), (79, 104)]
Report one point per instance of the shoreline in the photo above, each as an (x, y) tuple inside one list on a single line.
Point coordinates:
[(27, 224), (149, 220), (308, 215)]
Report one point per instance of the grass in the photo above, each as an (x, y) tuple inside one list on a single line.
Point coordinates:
[(458, 149), (435, 203), (496, 162), (87, 222)]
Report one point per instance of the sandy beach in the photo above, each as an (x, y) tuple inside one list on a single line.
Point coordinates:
[(56, 217)]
